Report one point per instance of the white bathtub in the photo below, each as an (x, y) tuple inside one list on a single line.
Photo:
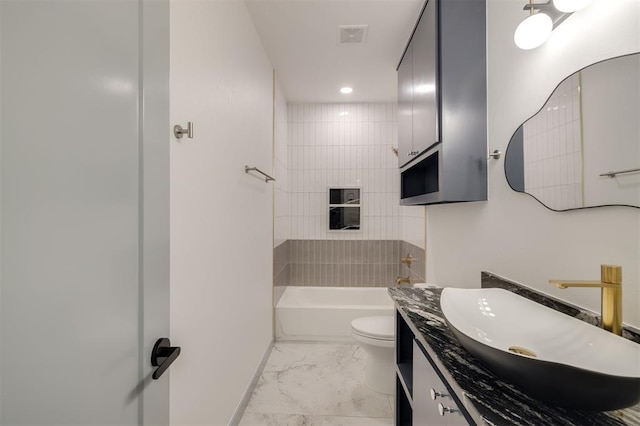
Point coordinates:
[(325, 313)]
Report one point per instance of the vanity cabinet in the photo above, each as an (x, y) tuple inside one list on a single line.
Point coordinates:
[(423, 398), (432, 400), (442, 111)]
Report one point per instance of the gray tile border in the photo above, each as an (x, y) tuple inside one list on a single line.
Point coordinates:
[(352, 263)]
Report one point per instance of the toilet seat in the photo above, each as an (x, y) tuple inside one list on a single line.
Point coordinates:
[(381, 343), (379, 328)]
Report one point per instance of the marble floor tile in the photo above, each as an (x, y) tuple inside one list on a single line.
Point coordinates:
[(356, 421), (316, 383), (260, 419), (270, 419)]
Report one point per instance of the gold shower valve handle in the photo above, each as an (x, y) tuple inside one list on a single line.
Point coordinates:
[(408, 260)]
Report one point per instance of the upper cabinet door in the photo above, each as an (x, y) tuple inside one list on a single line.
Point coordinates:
[(425, 81), (405, 107), (448, 156)]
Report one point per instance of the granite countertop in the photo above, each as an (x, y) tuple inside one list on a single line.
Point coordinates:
[(488, 399)]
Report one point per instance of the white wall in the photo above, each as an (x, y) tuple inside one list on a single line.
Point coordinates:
[(512, 234), (221, 218), (344, 145), (282, 219), (412, 225)]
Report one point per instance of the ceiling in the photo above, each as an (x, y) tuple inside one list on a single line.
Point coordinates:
[(301, 39)]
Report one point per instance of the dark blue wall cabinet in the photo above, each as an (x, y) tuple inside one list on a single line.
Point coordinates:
[(442, 105)]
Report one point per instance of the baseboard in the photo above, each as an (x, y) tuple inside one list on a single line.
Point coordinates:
[(246, 396)]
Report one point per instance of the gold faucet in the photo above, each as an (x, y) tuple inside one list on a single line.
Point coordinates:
[(611, 298), (403, 280)]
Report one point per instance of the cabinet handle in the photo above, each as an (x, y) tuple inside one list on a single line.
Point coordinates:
[(412, 153), (444, 410), (495, 155), (435, 394)]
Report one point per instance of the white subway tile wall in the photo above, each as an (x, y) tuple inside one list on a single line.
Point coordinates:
[(318, 146), (343, 145), (553, 149)]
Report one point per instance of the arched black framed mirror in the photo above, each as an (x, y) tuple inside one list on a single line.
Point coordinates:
[(582, 148)]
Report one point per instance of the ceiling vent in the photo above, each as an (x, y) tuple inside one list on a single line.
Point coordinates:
[(352, 34)]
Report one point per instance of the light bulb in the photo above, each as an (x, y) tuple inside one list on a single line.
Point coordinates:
[(533, 31), (346, 90), (425, 88), (568, 6)]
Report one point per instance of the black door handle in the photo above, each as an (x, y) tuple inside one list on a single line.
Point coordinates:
[(162, 355)]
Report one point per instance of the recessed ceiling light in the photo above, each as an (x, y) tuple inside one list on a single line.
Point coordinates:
[(346, 90)]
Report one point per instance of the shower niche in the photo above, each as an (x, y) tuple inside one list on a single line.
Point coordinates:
[(344, 209)]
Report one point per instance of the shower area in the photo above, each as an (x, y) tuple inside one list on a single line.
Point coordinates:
[(338, 222)]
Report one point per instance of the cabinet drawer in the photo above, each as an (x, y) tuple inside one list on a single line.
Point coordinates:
[(427, 385)]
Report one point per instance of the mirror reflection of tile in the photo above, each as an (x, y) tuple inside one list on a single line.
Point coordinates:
[(565, 154)]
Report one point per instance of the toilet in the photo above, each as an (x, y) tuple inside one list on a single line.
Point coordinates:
[(376, 336)]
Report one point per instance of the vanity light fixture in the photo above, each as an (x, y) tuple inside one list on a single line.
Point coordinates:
[(425, 88), (533, 31), (543, 18), (346, 90), (567, 6)]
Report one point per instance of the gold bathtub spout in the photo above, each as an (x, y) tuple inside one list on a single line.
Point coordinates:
[(403, 280), (611, 295)]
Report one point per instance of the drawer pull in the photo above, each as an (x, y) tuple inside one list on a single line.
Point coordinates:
[(444, 410), (435, 394)]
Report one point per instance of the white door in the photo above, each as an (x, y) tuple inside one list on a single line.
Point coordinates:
[(84, 166)]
